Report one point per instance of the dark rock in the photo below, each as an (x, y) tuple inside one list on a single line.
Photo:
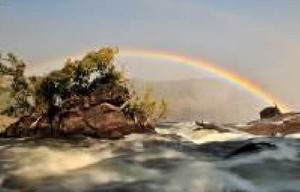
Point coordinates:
[(251, 148), (69, 123), (102, 121), (14, 183), (106, 119), (209, 126), (270, 112)]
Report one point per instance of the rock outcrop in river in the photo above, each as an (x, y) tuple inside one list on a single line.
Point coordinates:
[(271, 123), (90, 96), (92, 116), (280, 125)]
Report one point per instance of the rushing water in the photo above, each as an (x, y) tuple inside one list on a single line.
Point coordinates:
[(177, 159)]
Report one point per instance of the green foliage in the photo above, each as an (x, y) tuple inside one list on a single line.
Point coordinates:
[(37, 97), (19, 92), (73, 82), (147, 105), (80, 77)]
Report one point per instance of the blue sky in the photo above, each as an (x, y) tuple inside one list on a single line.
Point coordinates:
[(257, 39)]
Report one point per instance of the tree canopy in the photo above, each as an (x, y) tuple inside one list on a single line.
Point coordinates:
[(19, 89), (76, 80)]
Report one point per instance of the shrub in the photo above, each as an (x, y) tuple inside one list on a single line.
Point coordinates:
[(147, 105)]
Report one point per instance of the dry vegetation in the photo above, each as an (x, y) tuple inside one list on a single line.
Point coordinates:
[(5, 121)]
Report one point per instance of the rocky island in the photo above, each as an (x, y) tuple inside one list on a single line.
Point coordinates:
[(88, 97), (272, 123)]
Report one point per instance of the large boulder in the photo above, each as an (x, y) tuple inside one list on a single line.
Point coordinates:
[(29, 126), (107, 120), (102, 121), (109, 93), (69, 123), (270, 112)]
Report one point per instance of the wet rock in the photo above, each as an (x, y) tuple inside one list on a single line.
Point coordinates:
[(102, 121), (281, 125), (266, 129), (210, 126), (251, 148)]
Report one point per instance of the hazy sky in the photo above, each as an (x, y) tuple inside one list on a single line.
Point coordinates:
[(257, 39)]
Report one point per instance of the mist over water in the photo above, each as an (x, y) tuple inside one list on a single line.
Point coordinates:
[(175, 159), (207, 99)]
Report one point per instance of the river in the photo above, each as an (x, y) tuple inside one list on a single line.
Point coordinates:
[(176, 159)]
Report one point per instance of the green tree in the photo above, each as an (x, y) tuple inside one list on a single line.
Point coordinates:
[(79, 77), (74, 82), (20, 91)]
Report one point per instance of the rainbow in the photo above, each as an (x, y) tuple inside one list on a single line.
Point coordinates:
[(203, 65), (208, 67)]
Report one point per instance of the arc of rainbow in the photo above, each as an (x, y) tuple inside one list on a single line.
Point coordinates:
[(207, 66)]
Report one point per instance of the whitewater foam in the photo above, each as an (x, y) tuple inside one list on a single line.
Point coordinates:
[(203, 176), (44, 161), (283, 152), (187, 131), (173, 160)]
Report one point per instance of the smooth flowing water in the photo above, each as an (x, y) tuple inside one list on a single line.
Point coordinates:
[(176, 159)]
